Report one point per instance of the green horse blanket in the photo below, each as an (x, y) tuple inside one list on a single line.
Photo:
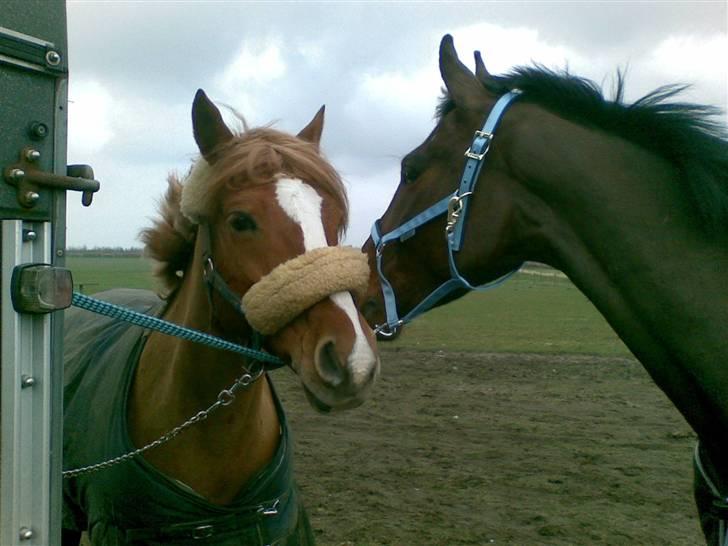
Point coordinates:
[(132, 503)]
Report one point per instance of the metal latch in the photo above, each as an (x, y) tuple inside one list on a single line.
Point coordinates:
[(454, 210), (27, 177), (41, 288)]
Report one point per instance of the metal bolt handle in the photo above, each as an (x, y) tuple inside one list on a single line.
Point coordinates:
[(26, 176)]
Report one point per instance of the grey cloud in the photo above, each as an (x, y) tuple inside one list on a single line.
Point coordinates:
[(159, 53)]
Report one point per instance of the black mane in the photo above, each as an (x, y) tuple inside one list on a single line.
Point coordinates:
[(688, 135)]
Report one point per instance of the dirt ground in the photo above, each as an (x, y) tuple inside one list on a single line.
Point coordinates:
[(497, 449)]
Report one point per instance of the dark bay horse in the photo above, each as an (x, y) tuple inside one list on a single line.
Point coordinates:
[(629, 200), (254, 202)]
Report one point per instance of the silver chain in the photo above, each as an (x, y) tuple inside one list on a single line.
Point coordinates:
[(224, 398)]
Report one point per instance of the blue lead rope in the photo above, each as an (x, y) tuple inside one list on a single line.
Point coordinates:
[(153, 323)]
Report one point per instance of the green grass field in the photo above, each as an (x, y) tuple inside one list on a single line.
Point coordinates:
[(96, 274), (529, 313)]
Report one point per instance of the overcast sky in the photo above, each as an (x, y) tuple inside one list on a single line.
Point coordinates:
[(136, 66)]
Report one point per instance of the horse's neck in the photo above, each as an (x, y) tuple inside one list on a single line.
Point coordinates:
[(175, 379), (617, 223)]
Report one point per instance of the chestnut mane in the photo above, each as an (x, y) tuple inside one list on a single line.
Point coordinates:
[(254, 156)]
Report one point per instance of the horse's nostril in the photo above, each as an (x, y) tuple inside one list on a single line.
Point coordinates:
[(329, 366)]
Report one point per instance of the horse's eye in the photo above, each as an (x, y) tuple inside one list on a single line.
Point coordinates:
[(406, 175), (241, 221), (410, 172)]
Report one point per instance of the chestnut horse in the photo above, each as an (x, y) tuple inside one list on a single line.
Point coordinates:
[(630, 201), (252, 202)]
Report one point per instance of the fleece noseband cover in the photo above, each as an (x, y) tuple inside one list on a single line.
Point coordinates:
[(295, 285)]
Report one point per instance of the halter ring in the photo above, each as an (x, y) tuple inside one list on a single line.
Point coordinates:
[(386, 331)]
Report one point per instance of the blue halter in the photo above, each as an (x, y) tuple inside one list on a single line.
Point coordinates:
[(456, 207)]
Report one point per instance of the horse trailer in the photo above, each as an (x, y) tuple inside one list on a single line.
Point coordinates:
[(35, 177)]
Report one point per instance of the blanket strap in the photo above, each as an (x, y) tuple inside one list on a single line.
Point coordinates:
[(720, 502), (242, 520)]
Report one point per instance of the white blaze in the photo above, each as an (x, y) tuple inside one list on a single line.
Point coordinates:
[(303, 205)]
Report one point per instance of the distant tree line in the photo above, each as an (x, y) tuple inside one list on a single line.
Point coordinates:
[(100, 251)]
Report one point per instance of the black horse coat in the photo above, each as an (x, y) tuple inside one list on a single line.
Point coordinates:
[(132, 503)]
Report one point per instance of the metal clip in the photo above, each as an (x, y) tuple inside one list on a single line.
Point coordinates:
[(245, 380), (454, 209), (202, 531), (271, 510)]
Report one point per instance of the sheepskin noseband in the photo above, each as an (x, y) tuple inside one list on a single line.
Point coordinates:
[(301, 282)]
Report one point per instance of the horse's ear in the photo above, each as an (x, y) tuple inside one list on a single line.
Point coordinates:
[(312, 132), (480, 71), (208, 126), (459, 80)]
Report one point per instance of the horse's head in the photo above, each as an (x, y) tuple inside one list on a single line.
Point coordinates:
[(260, 201), (417, 263)]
